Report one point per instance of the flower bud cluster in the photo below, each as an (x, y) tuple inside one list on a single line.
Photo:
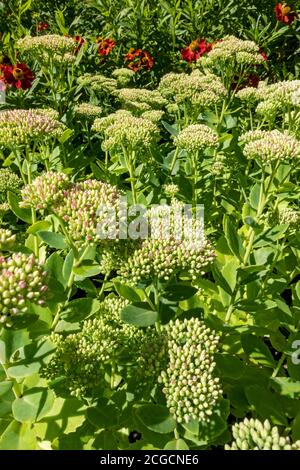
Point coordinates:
[(269, 146), (101, 124), (44, 191), (9, 181), (123, 76), (98, 82), (7, 239), (22, 280), (191, 389), (197, 89), (46, 46), (20, 126), (140, 100), (290, 217), (88, 110), (232, 50), (196, 138), (252, 434)]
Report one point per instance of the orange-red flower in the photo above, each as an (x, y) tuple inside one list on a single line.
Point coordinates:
[(19, 76), (195, 50), (264, 55), (80, 41), (42, 26), (137, 59), (284, 13), (105, 45)]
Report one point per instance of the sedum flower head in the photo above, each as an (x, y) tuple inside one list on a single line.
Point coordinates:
[(177, 245), (171, 189), (196, 89), (83, 357), (290, 217), (22, 279), (140, 99), (154, 115), (7, 239), (123, 76), (232, 50), (132, 132), (9, 181), (101, 124), (21, 126), (98, 82), (191, 389), (88, 110), (44, 191), (79, 207), (51, 44), (248, 94), (269, 146), (252, 434), (196, 137)]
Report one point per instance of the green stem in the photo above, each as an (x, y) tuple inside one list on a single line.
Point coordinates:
[(279, 365)]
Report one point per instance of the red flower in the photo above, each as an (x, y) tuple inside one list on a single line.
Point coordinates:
[(105, 45), (264, 55), (18, 76), (80, 41), (139, 60), (42, 26), (284, 13), (195, 50)]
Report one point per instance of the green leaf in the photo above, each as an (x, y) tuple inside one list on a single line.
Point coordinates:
[(233, 240), (179, 292), (127, 292), (18, 436), (266, 404), (87, 270), (286, 386), (156, 418), (229, 366), (139, 314), (22, 214), (104, 415), (38, 226), (176, 444), (10, 342), (68, 266), (55, 240), (79, 309), (255, 196), (220, 280), (257, 350), (171, 129), (34, 405)]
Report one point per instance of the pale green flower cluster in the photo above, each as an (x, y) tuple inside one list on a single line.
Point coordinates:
[(58, 48), (163, 258), (232, 50), (139, 100), (7, 239), (84, 357), (196, 89), (134, 133), (99, 83), (22, 280), (9, 181), (252, 434), (196, 138), (154, 115), (171, 189), (189, 384), (269, 146), (290, 217), (88, 110), (101, 124), (45, 190), (21, 126), (123, 76)]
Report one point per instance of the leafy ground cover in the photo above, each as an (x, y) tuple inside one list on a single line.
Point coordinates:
[(112, 110)]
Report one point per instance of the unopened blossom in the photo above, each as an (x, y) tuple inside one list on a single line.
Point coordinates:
[(21, 126), (22, 280), (9, 181), (7, 239), (150, 99), (123, 76), (45, 190), (196, 137), (253, 434), (290, 217), (50, 44), (88, 110), (269, 146), (153, 115), (101, 124), (196, 89), (98, 82), (190, 386)]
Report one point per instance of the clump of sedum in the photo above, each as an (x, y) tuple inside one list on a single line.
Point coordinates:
[(252, 434), (192, 391), (7, 239), (22, 280), (22, 126), (49, 47), (44, 191), (232, 51), (270, 146), (88, 110), (196, 137), (140, 100)]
